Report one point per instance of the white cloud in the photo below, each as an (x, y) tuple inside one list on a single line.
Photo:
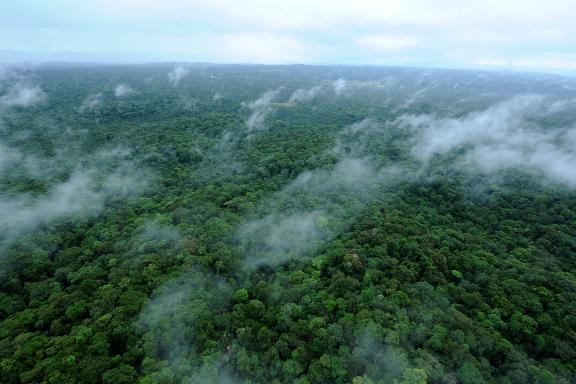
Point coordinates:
[(91, 102), (177, 74), (503, 136), (122, 90), (322, 14), (339, 86), (303, 95), (9, 155), (84, 193), (263, 48), (238, 47), (22, 95), (322, 31), (568, 63), (260, 110), (264, 100), (320, 203), (385, 43)]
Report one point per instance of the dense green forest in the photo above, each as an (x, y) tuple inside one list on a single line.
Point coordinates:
[(228, 224)]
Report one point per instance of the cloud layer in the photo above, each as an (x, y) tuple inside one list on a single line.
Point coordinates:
[(528, 34)]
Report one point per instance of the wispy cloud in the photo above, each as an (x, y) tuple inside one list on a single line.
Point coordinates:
[(260, 110), (83, 193), (173, 320), (22, 94), (91, 102), (329, 199), (504, 136), (122, 90), (177, 74)]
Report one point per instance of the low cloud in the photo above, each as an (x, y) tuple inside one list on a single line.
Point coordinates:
[(187, 103), (22, 94), (277, 238), (174, 322), (91, 102), (260, 110), (339, 86), (123, 90), (263, 101), (319, 204), (411, 99), (82, 194), (157, 231), (9, 155), (389, 361), (26, 211), (177, 74), (304, 95), (506, 135)]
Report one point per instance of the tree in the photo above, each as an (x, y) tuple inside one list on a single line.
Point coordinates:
[(413, 376)]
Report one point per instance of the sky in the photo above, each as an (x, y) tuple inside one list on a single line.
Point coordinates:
[(527, 35)]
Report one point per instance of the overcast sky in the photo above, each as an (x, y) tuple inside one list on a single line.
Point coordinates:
[(527, 35)]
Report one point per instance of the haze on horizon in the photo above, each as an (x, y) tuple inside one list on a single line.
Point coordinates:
[(526, 35)]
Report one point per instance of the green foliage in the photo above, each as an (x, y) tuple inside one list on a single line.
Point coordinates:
[(123, 374), (413, 376), (469, 374), (241, 295), (448, 277)]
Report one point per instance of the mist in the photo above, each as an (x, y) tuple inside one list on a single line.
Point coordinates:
[(156, 231), (22, 94), (328, 201), (389, 361), (276, 238), (9, 156), (339, 86), (76, 184), (260, 108), (287, 192), (82, 195), (91, 102), (304, 95), (508, 135), (172, 322), (177, 74), (122, 90)]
